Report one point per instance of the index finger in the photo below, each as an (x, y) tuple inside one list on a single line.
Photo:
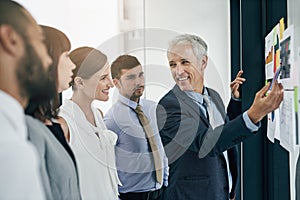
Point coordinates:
[(239, 74), (263, 91)]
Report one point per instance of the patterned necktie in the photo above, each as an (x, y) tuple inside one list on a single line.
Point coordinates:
[(153, 144)]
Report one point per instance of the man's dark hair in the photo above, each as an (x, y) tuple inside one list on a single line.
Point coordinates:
[(14, 15), (123, 62)]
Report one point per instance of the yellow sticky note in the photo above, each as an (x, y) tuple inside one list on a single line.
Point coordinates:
[(277, 58), (281, 28)]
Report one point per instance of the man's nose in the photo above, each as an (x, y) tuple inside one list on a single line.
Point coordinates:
[(139, 81), (179, 69)]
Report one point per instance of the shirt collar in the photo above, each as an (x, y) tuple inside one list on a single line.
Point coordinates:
[(130, 103), (197, 96)]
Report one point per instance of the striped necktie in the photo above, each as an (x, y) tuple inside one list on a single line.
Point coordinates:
[(153, 143)]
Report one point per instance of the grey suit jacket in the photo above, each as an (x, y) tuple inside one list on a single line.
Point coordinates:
[(197, 165), (58, 172)]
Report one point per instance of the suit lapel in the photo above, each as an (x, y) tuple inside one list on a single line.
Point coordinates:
[(187, 101), (218, 102)]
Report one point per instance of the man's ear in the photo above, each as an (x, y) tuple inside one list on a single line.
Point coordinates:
[(10, 40), (204, 62), (116, 82)]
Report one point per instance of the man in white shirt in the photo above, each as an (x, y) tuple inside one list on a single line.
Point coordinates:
[(24, 64)]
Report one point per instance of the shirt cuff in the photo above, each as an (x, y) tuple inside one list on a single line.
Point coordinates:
[(165, 183), (166, 175), (250, 125)]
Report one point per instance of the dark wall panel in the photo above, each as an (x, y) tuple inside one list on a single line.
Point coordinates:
[(265, 165)]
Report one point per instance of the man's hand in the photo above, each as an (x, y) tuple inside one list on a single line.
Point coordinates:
[(235, 85), (264, 104)]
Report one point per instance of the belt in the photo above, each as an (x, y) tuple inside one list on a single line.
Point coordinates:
[(148, 195)]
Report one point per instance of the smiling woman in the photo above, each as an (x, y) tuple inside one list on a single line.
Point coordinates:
[(92, 143)]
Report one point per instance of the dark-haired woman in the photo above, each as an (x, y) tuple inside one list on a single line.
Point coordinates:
[(58, 166)]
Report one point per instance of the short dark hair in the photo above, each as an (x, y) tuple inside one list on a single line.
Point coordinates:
[(56, 43), (88, 61), (14, 15), (123, 62)]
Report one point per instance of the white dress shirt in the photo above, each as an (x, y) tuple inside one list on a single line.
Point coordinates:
[(19, 169), (94, 150)]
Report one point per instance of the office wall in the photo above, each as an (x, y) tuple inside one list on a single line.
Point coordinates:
[(86, 23), (206, 18), (151, 25), (97, 23)]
